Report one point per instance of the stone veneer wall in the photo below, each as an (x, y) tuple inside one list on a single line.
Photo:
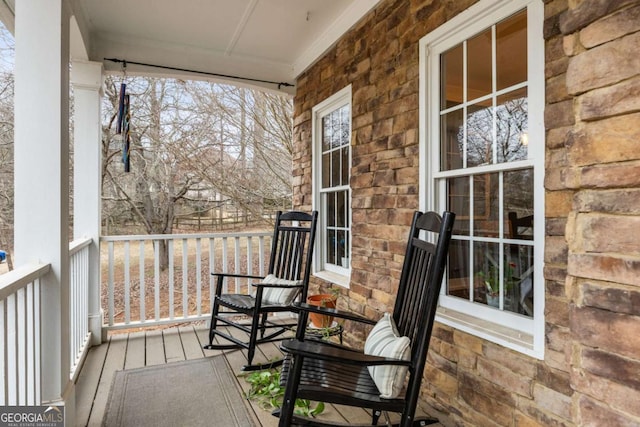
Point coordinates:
[(591, 371)]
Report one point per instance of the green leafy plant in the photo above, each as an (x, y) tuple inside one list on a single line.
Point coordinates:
[(491, 278), (268, 393)]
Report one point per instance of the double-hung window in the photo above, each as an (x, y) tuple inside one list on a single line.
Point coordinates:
[(331, 125), (482, 156)]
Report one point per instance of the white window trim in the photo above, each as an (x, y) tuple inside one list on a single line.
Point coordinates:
[(334, 274), (468, 317)]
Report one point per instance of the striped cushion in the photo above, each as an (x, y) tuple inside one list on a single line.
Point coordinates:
[(280, 296), (383, 341)]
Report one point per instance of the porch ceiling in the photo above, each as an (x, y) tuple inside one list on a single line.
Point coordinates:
[(271, 40)]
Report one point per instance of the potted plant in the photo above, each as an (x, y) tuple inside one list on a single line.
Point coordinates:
[(491, 281), (322, 300)]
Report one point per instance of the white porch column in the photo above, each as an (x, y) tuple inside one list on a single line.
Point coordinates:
[(86, 78), (42, 173)]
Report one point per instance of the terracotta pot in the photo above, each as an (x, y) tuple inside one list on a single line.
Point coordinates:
[(321, 300)]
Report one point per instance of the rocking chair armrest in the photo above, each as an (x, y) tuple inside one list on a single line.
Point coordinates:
[(321, 351), (247, 276), (276, 285), (347, 315)]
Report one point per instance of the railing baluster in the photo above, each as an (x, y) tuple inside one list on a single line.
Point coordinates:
[(127, 285), (249, 255), (225, 269), (198, 276), (156, 279), (171, 280), (185, 279), (110, 284), (212, 266), (236, 260), (142, 282)]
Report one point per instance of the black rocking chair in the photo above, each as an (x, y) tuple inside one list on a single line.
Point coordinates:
[(287, 281), (331, 373)]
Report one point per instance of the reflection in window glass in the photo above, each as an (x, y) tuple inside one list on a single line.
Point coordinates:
[(452, 77), (452, 140), (479, 135), (511, 126), (458, 284), (459, 198), (479, 68), (511, 57)]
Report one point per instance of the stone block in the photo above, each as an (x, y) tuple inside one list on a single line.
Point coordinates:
[(606, 296), (592, 413), (559, 114), (511, 382), (605, 141), (555, 226), (556, 250), (609, 233), (469, 342), (558, 203), (616, 268), (611, 101), (604, 329), (617, 201), (554, 379), (571, 45), (487, 398), (622, 370), (593, 68), (552, 401), (621, 23), (511, 360), (556, 311), (556, 89), (619, 399), (588, 11), (616, 175)]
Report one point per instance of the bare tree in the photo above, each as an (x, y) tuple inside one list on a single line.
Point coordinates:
[(6, 144), (158, 182), (257, 139)]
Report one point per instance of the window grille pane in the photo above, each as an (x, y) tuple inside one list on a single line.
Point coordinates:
[(479, 68), (511, 51), (452, 140), (458, 274), (511, 126), (451, 67), (479, 134)]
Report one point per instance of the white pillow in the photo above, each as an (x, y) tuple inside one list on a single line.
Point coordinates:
[(383, 341), (280, 296)]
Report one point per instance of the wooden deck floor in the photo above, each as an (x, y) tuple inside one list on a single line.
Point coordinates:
[(154, 347)]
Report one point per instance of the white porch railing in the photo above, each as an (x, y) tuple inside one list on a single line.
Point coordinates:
[(137, 291), (78, 301), (20, 330)]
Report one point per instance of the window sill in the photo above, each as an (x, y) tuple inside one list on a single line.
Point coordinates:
[(499, 334), (334, 278)]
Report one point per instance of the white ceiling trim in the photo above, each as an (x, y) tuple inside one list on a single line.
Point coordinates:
[(332, 34), (241, 25)]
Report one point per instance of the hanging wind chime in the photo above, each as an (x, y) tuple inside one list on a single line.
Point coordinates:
[(122, 125)]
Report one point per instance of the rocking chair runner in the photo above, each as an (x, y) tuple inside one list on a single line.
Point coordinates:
[(287, 280), (331, 373)]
